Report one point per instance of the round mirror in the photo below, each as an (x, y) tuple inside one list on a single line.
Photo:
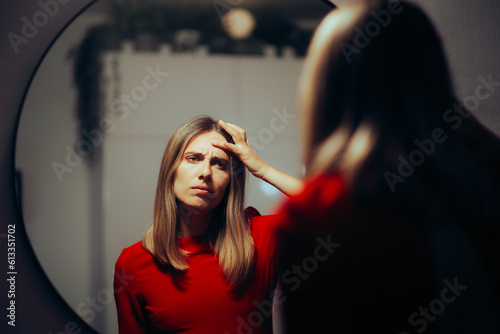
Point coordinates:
[(106, 98)]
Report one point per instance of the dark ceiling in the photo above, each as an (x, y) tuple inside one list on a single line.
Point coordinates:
[(293, 9), (281, 23)]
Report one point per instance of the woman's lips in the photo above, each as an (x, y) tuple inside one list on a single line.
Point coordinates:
[(202, 190)]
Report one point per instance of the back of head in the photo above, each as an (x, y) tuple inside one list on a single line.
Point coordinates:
[(377, 103), (377, 106)]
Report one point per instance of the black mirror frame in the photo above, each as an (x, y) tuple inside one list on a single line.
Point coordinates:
[(35, 305)]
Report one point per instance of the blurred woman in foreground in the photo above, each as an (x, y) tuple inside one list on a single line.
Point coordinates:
[(397, 230)]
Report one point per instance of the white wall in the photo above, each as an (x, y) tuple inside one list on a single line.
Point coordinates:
[(470, 33), (469, 30)]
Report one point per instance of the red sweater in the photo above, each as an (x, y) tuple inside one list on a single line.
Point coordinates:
[(373, 275), (153, 298)]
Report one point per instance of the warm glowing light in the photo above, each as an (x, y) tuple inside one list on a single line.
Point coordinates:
[(239, 23)]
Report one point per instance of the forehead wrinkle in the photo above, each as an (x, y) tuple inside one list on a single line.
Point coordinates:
[(204, 150)]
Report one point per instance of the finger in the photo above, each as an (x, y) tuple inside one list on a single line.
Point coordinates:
[(218, 144), (228, 127), (234, 126), (226, 146), (234, 130)]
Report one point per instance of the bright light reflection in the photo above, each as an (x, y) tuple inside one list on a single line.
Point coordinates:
[(239, 23)]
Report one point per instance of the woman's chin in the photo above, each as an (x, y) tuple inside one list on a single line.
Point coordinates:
[(196, 206)]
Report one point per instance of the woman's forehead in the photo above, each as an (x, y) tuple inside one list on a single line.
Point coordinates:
[(203, 144)]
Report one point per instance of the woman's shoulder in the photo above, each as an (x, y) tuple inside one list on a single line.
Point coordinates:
[(255, 218), (133, 254), (324, 196), (320, 193), (260, 225)]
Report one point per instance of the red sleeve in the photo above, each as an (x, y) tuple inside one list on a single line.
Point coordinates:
[(128, 297), (251, 212), (263, 229), (265, 238)]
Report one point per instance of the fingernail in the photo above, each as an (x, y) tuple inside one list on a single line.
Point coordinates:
[(214, 141)]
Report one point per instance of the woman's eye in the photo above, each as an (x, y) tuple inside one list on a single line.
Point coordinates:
[(192, 158)]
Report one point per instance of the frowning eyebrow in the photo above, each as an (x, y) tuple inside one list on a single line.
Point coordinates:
[(199, 154)]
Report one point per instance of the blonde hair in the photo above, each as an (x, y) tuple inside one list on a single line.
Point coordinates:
[(228, 234)]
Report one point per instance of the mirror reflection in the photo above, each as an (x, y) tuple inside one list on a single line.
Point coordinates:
[(108, 95)]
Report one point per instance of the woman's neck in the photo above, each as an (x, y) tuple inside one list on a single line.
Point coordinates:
[(193, 223)]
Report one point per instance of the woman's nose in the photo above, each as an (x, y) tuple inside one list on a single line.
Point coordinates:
[(206, 170)]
